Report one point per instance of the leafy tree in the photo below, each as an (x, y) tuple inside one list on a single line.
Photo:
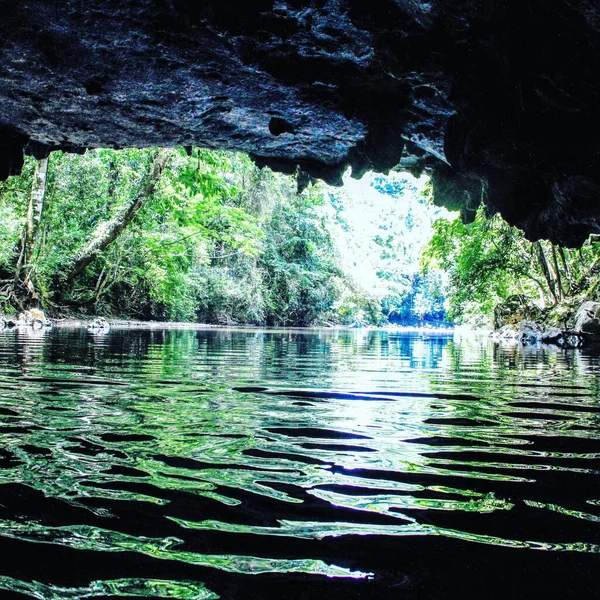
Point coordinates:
[(292, 280), (206, 235), (120, 230), (488, 261)]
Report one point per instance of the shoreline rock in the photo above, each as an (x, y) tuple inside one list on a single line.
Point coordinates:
[(587, 320), (530, 333), (571, 324)]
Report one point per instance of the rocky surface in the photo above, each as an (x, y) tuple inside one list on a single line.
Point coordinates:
[(581, 328), (530, 333), (587, 320), (499, 100), (515, 309)]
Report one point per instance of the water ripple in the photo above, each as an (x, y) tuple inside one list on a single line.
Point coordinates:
[(259, 454)]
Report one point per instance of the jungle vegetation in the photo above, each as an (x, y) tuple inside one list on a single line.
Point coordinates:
[(205, 236), (489, 262)]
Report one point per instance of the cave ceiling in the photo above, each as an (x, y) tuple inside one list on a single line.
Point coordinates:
[(497, 100)]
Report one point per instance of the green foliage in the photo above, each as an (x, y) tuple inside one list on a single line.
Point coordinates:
[(479, 259), (218, 240), (489, 261), (290, 280)]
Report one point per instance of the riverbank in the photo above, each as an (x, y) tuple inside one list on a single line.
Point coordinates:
[(133, 324), (126, 324), (560, 327)]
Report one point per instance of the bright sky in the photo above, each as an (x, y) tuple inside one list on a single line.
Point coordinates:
[(369, 213)]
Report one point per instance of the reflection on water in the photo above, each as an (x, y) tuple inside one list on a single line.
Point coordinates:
[(256, 464)]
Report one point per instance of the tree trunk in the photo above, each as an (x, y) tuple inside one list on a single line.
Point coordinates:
[(545, 267), (106, 233), (27, 242), (559, 283), (34, 215), (565, 263)]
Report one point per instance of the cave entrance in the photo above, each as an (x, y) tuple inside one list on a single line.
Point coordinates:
[(189, 234)]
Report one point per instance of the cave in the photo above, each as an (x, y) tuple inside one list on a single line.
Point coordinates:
[(497, 100)]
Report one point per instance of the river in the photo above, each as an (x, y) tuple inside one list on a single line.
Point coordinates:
[(243, 464)]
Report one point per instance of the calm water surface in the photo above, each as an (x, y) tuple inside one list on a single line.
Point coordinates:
[(286, 464)]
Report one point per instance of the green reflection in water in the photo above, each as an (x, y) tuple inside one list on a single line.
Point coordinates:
[(523, 544), (378, 431), (85, 537), (578, 514), (144, 588), (321, 530), (310, 530), (389, 505)]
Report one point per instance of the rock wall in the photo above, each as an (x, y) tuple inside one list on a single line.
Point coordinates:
[(499, 100)]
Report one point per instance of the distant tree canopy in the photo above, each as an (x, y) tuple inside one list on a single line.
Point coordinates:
[(207, 236), (382, 226), (489, 261)]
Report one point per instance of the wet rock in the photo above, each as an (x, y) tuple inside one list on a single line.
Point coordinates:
[(552, 335), (529, 332), (571, 340), (506, 332), (562, 337), (587, 321), (499, 101), (525, 332)]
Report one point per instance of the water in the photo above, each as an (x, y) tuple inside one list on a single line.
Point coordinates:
[(287, 464)]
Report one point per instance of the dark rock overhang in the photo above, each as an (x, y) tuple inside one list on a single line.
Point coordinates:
[(499, 100)]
